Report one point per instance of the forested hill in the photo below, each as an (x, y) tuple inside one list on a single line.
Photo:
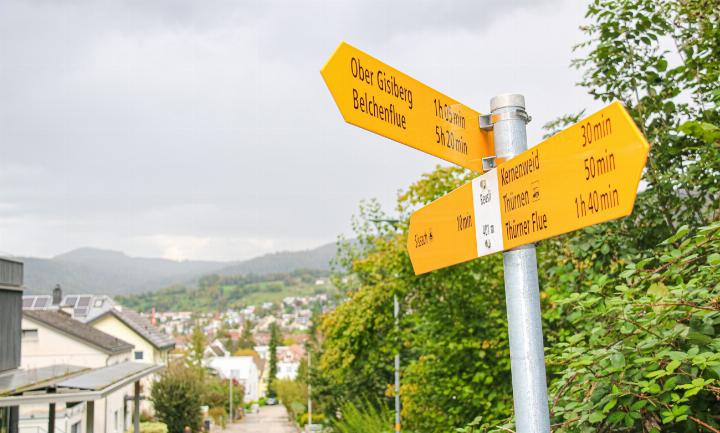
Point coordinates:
[(91, 270), (218, 293)]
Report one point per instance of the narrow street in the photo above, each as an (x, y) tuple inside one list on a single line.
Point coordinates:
[(271, 419)]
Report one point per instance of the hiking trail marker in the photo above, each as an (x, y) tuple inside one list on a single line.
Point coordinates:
[(383, 100), (584, 175)]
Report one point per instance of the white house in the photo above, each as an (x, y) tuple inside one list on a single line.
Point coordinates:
[(241, 368), (53, 338), (150, 344), (287, 370)]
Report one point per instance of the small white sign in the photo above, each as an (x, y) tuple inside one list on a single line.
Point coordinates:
[(488, 224)]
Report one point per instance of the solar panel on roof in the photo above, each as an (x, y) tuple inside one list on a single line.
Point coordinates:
[(81, 312), (27, 302), (41, 302), (83, 301), (70, 301)]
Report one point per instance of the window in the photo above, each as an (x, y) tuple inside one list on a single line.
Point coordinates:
[(139, 355), (29, 335), (115, 419), (75, 428)]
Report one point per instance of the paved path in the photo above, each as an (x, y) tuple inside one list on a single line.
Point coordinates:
[(271, 419)]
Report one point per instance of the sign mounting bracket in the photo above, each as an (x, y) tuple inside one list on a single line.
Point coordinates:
[(488, 120)]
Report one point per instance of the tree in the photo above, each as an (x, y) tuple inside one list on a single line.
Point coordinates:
[(273, 368), (198, 342), (176, 396), (246, 338), (216, 394), (293, 395), (223, 334)]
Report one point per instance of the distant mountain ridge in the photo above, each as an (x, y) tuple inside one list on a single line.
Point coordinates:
[(93, 270)]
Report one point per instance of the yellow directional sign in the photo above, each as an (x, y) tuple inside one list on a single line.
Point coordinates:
[(381, 99), (587, 174)]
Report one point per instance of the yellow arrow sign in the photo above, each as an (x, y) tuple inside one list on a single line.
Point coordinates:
[(587, 174), (381, 99)]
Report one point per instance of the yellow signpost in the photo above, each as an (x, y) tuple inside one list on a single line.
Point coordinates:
[(587, 174), (584, 175), (381, 99)]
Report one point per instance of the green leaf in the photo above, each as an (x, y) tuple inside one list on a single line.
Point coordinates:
[(638, 405), (615, 417), (672, 365), (714, 259), (596, 417), (611, 404)]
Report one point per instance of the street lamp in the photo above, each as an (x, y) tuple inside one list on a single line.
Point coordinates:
[(396, 313)]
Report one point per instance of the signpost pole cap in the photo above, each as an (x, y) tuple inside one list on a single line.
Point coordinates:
[(507, 100)]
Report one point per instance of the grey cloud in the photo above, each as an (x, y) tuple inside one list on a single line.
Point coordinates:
[(124, 123)]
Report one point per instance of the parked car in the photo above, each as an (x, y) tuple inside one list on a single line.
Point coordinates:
[(271, 401)]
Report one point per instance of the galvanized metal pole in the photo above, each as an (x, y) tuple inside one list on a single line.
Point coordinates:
[(522, 292), (397, 365)]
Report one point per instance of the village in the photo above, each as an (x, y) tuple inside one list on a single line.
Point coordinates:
[(73, 343)]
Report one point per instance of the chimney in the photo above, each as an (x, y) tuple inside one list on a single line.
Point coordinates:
[(57, 295)]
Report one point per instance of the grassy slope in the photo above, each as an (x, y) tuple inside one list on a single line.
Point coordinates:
[(225, 295)]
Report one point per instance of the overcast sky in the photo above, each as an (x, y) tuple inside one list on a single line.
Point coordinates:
[(203, 129)]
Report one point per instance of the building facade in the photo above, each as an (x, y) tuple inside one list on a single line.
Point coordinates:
[(54, 338), (151, 345)]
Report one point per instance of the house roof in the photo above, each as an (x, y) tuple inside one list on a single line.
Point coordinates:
[(141, 326), (84, 307), (103, 377), (66, 383), (65, 324), (18, 381), (216, 350)]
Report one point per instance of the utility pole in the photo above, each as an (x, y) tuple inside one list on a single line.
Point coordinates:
[(522, 292), (397, 364), (396, 313)]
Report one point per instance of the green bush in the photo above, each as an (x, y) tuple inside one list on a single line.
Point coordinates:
[(176, 396), (219, 416), (645, 354), (292, 395), (318, 418), (363, 418)]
